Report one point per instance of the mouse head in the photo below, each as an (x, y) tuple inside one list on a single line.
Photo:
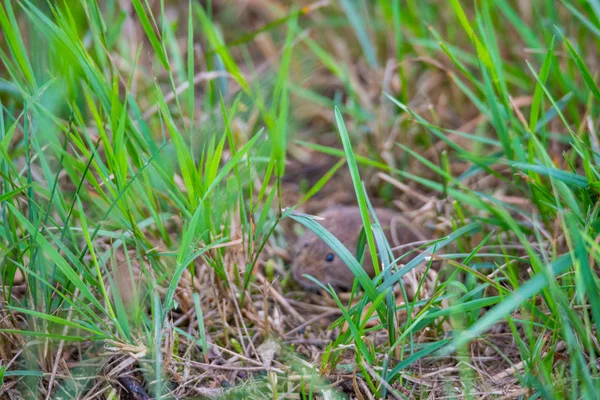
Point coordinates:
[(314, 257)]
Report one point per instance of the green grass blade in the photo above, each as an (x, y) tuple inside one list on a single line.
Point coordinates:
[(358, 187), (511, 302)]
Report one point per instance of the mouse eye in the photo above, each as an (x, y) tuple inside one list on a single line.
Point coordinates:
[(306, 244), (329, 257)]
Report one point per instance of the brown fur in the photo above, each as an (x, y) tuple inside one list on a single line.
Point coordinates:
[(345, 223)]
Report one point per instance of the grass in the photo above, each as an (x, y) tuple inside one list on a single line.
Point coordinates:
[(156, 161)]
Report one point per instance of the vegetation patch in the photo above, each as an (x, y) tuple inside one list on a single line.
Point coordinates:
[(161, 161)]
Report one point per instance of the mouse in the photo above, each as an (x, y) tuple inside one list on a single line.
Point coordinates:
[(312, 256)]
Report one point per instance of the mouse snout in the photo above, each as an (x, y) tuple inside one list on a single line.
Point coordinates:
[(299, 269)]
